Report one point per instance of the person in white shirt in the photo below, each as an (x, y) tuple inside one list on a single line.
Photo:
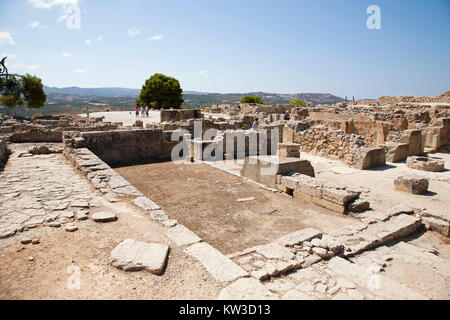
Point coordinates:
[(255, 125)]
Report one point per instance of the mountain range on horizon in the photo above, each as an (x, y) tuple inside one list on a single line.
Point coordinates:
[(192, 98)]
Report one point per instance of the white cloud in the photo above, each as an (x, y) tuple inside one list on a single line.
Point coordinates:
[(36, 25), (48, 4), (156, 38), (203, 72), (80, 71), (66, 54), (5, 37), (92, 42), (133, 32), (20, 65), (33, 25), (62, 18)]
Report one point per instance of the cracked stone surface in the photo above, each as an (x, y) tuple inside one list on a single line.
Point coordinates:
[(40, 190)]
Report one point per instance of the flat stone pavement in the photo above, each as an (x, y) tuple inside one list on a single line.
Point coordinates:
[(128, 118), (38, 190)]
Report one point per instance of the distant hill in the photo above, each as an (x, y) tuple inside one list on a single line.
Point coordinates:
[(192, 98)]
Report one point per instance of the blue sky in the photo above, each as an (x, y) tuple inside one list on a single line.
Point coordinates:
[(286, 46)]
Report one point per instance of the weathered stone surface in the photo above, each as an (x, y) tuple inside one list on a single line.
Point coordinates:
[(299, 237), (275, 251), (411, 184), (146, 204), (104, 217), (219, 266), (246, 289), (366, 158), (435, 224), (425, 164), (132, 255), (296, 295), (182, 236), (396, 152), (387, 289), (358, 206)]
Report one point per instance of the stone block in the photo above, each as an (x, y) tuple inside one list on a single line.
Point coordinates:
[(411, 184)]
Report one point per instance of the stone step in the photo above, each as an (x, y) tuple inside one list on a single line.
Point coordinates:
[(218, 265)]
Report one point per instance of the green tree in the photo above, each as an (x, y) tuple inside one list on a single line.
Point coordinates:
[(252, 99), (298, 102), (17, 90), (161, 92)]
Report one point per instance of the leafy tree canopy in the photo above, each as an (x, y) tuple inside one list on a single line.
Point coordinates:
[(252, 99), (17, 90), (298, 102), (161, 92)]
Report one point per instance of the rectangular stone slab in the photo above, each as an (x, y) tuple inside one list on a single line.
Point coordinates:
[(299, 236), (182, 236), (218, 265)]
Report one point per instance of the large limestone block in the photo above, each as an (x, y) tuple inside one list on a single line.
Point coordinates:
[(414, 139), (132, 255), (368, 157), (218, 265), (396, 152), (411, 184), (246, 289)]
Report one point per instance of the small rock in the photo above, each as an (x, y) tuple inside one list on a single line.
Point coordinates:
[(104, 217), (82, 215), (71, 228), (25, 240), (30, 259), (269, 211), (246, 199), (321, 252), (54, 224), (35, 241)]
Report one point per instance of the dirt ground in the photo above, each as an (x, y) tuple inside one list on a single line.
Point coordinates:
[(205, 200), (47, 276)]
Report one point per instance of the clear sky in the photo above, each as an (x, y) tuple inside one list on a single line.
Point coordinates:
[(285, 46)]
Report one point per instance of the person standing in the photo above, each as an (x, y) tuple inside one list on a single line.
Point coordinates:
[(255, 125), (146, 111), (87, 113), (137, 112)]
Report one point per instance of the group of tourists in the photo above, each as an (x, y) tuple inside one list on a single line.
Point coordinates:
[(142, 112), (255, 125)]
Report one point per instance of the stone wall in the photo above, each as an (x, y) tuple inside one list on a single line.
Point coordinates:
[(332, 144), (124, 147), (174, 115), (257, 108)]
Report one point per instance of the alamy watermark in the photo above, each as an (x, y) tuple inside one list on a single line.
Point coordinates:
[(74, 280), (374, 20)]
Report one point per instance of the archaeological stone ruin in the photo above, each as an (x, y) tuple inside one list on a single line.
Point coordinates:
[(343, 201)]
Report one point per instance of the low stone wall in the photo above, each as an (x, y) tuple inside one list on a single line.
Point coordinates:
[(335, 198), (257, 108), (180, 115), (27, 133), (332, 144), (124, 147)]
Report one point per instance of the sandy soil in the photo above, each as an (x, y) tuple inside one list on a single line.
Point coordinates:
[(204, 199), (46, 277)]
